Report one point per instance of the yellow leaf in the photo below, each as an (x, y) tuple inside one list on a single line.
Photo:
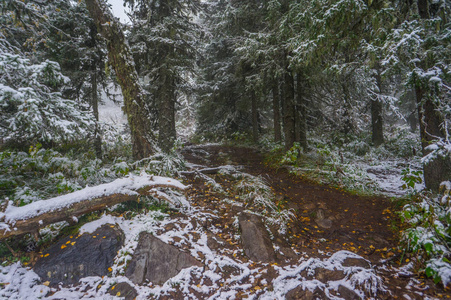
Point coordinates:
[(47, 283), (109, 269), (68, 242), (257, 288), (73, 243), (118, 294), (46, 255), (63, 246)]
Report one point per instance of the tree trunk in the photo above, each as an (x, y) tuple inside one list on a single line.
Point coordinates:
[(412, 119), (376, 116), (121, 59), (301, 113), (423, 9), (348, 126), (288, 110), (276, 111), (166, 113), (95, 109), (439, 169), (254, 117)]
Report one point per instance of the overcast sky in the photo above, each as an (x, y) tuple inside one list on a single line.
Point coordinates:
[(119, 10)]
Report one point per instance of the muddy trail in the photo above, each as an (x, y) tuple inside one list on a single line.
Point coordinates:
[(323, 221)]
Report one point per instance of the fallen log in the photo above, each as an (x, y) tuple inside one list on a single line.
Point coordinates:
[(30, 218), (208, 171)]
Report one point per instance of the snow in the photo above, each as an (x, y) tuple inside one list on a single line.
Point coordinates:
[(25, 284), (126, 186), (93, 226)]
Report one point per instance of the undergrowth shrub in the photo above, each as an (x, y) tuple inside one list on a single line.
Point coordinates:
[(44, 173), (429, 234)]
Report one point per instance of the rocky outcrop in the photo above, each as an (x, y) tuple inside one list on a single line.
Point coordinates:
[(255, 238), (155, 261), (75, 257)]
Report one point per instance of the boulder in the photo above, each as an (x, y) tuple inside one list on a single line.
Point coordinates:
[(75, 257), (255, 238), (156, 261)]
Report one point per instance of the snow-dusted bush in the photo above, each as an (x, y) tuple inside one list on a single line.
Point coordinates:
[(32, 106), (429, 233), (43, 173)]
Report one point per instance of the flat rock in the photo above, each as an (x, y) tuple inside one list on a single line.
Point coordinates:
[(156, 261), (255, 238), (124, 290), (75, 257)]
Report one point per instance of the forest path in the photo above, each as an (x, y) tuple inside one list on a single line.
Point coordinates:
[(326, 220)]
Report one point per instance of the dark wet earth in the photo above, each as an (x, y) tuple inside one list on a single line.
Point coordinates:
[(326, 219)]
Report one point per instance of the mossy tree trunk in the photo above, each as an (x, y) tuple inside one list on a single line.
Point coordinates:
[(377, 124), (121, 59), (276, 111), (166, 112), (288, 110), (301, 112), (254, 112)]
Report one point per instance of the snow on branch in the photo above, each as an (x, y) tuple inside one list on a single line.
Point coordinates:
[(29, 218)]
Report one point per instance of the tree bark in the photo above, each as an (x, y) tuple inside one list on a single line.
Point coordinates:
[(276, 111), (423, 9), (412, 119), (121, 59), (301, 112), (166, 113), (288, 110), (376, 116), (254, 117), (439, 169), (95, 109)]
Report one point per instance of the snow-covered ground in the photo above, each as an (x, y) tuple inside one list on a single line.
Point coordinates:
[(387, 175), (110, 112)]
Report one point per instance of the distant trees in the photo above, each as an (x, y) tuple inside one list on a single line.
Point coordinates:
[(164, 41), (327, 63)]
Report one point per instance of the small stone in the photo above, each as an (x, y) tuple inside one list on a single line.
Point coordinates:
[(123, 289), (356, 262)]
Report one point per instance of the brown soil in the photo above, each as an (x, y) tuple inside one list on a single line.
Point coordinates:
[(327, 219)]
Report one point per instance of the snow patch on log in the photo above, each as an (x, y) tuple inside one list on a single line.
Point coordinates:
[(126, 186)]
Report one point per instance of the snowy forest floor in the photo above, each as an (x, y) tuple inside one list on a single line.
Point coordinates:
[(328, 244), (365, 225)]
